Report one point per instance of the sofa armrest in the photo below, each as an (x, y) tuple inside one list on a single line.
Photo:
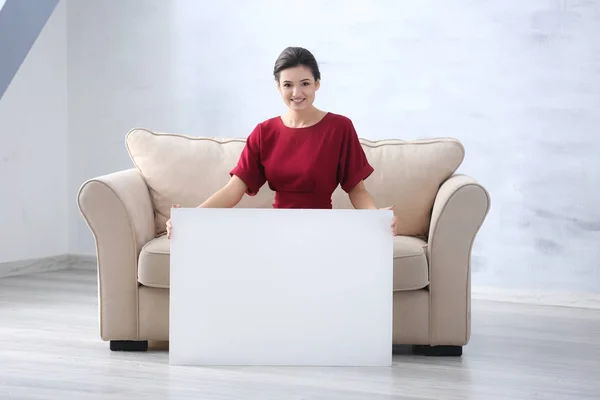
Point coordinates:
[(118, 210), (459, 210)]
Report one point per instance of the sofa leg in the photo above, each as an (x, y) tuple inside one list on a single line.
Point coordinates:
[(438, 351), (128, 345)]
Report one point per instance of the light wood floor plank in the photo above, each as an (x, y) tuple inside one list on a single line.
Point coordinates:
[(50, 349)]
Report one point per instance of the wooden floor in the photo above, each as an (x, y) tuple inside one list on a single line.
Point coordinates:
[(50, 349)]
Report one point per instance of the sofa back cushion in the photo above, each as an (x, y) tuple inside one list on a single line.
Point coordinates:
[(186, 170), (408, 175)]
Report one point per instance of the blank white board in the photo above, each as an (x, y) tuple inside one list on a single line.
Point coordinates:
[(281, 287)]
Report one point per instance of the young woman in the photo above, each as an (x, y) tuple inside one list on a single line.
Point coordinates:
[(303, 155)]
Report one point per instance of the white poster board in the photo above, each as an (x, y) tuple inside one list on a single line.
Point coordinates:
[(281, 287)]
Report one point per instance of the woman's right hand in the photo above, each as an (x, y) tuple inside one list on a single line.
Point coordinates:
[(227, 197), (169, 225)]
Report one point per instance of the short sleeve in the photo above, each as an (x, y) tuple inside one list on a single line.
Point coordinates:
[(353, 165), (249, 168)]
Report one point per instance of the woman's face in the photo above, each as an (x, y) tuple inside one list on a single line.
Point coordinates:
[(297, 87)]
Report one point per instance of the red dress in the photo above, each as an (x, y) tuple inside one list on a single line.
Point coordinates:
[(303, 166)]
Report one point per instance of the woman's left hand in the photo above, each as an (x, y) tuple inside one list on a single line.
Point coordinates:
[(393, 226)]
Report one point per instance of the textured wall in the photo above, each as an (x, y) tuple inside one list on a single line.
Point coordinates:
[(517, 82), (33, 148)]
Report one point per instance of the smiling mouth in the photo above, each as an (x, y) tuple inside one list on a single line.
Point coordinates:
[(297, 101)]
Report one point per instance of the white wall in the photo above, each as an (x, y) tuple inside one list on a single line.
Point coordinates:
[(33, 150), (517, 82), (119, 78)]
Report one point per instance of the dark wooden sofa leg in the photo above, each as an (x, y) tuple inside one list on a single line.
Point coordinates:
[(438, 351), (128, 345)]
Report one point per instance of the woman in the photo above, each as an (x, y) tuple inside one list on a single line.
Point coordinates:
[(304, 154)]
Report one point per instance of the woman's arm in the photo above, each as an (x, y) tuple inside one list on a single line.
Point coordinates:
[(228, 196), (361, 198)]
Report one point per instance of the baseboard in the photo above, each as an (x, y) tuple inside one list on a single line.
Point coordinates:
[(81, 261), (47, 264), (537, 297)]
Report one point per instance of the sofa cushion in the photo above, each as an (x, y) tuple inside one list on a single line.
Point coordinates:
[(408, 175), (186, 170), (153, 264), (411, 271)]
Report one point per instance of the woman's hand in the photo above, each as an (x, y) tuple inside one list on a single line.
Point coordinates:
[(362, 200), (169, 225), (393, 226)]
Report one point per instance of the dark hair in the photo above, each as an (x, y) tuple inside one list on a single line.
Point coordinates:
[(292, 57)]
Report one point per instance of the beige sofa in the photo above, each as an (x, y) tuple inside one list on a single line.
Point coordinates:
[(439, 213)]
